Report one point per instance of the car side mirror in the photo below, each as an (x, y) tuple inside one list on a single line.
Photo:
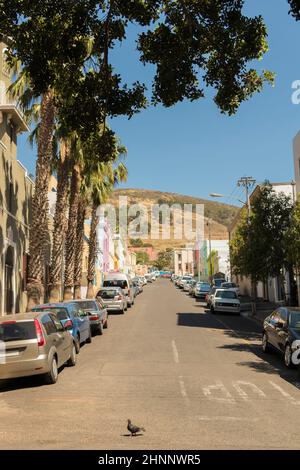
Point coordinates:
[(68, 325)]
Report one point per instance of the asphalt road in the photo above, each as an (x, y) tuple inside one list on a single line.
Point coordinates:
[(192, 379)]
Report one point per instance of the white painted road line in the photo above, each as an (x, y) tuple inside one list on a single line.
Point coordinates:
[(175, 352)]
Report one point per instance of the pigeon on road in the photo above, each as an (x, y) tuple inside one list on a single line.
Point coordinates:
[(133, 429)]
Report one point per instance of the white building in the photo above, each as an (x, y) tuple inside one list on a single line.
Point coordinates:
[(184, 261)]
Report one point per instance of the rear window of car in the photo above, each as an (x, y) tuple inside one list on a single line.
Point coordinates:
[(116, 283), (107, 294), (226, 294), (18, 331), (61, 313), (87, 305)]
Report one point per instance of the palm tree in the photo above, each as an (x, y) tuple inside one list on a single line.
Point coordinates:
[(60, 220), (100, 193), (38, 233)]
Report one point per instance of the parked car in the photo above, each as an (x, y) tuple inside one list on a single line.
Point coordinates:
[(113, 298), (123, 281), (186, 286), (66, 311), (201, 289), (148, 278), (231, 286), (183, 280), (225, 300), (209, 296), (217, 282), (192, 287), (281, 332), (136, 288), (36, 343), (97, 313)]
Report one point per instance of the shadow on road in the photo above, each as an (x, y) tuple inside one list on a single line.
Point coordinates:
[(240, 330)]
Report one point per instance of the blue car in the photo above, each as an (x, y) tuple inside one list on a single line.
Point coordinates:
[(81, 328)]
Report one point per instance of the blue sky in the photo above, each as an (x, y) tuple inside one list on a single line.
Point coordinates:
[(191, 148)]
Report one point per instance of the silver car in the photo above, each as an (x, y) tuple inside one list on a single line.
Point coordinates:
[(113, 298), (35, 343)]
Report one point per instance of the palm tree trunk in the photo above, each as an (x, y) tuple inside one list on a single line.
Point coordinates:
[(79, 250), (92, 253), (39, 225), (71, 233), (60, 223)]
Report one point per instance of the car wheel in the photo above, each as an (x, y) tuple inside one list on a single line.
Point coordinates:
[(72, 360), (100, 329), (52, 376), (288, 357), (77, 344), (265, 343), (89, 339)]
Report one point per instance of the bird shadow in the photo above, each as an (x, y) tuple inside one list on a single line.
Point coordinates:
[(129, 435)]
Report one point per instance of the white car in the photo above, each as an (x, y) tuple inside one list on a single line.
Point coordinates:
[(232, 286), (225, 300), (184, 279)]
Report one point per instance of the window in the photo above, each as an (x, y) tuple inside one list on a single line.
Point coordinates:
[(87, 305), (58, 325), (17, 331), (10, 196), (283, 315), (48, 324), (116, 283), (226, 294)]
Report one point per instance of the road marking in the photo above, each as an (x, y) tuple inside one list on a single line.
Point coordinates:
[(284, 393), (175, 352), (227, 398), (243, 394), (183, 390)]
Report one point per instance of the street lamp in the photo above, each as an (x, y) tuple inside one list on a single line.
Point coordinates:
[(226, 195)]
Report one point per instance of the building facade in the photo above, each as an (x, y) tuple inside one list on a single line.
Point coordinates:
[(16, 188)]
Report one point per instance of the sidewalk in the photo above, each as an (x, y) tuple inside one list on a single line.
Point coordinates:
[(262, 309)]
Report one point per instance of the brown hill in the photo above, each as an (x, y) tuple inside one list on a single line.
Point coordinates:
[(220, 213)]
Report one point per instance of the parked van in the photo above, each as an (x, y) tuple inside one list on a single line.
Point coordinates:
[(123, 281)]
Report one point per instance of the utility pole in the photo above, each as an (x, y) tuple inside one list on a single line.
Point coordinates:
[(209, 241), (247, 182)]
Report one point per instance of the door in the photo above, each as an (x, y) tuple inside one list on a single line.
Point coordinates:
[(62, 341), (281, 330), (271, 328)]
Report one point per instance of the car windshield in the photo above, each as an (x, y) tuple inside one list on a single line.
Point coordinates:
[(17, 331), (228, 284), (107, 294), (87, 305), (226, 294), (115, 283), (295, 320)]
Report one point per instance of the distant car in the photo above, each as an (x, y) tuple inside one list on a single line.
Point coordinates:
[(192, 287), (80, 323), (113, 298), (231, 286), (218, 282), (209, 296), (201, 289), (97, 313), (281, 332), (36, 343), (123, 281), (183, 280), (225, 300), (186, 286)]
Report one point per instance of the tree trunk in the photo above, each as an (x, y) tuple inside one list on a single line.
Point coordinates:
[(79, 250), (71, 233), (39, 216), (92, 254), (60, 223)]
